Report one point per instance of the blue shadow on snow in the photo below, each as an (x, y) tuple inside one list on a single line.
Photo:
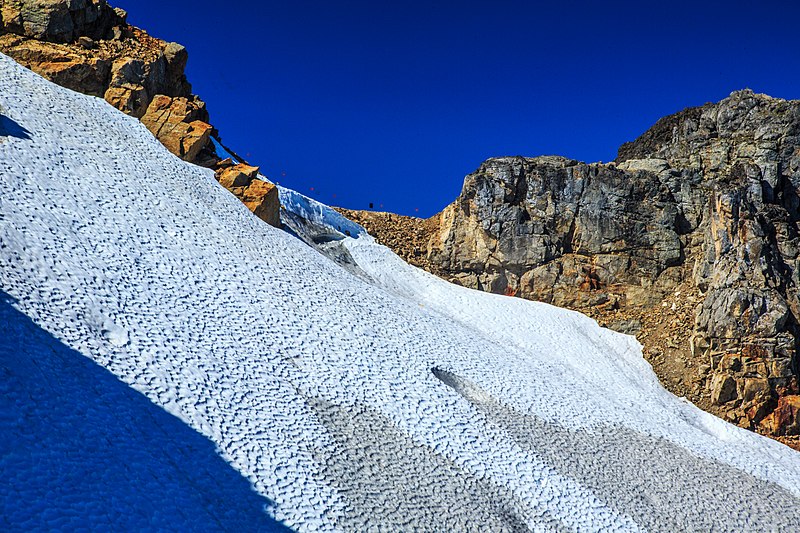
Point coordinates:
[(9, 128), (81, 449)]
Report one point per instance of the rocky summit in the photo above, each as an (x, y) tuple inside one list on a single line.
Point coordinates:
[(688, 240)]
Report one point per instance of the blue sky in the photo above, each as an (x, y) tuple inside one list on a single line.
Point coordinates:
[(393, 104)]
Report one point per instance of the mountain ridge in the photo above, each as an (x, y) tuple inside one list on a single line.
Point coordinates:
[(388, 399)]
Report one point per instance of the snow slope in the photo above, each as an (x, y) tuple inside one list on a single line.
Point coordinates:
[(148, 319)]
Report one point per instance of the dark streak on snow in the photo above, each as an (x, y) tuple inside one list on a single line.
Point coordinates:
[(662, 486)]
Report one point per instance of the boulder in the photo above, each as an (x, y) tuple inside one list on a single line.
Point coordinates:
[(755, 390), (236, 175), (126, 89), (180, 124), (174, 82), (87, 42), (261, 198), (195, 139), (723, 389), (785, 419)]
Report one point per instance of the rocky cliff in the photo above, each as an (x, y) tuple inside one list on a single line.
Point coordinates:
[(88, 46), (689, 240)]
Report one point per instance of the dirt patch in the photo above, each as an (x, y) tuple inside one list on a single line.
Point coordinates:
[(408, 237)]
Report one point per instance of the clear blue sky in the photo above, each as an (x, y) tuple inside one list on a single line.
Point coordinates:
[(395, 102)]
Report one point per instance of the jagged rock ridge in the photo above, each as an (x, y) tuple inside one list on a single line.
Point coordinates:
[(89, 47)]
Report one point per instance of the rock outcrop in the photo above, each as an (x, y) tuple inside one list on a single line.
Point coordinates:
[(690, 240), (60, 21), (87, 46), (180, 124), (259, 196)]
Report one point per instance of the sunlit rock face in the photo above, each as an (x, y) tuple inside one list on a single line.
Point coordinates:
[(88, 46), (702, 210)]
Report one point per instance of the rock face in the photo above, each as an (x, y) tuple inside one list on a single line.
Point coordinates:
[(88, 47), (60, 64), (689, 240), (527, 225), (60, 21), (136, 82), (181, 124), (259, 196)]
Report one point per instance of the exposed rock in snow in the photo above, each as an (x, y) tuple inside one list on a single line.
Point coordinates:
[(72, 44), (180, 124), (260, 197)]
